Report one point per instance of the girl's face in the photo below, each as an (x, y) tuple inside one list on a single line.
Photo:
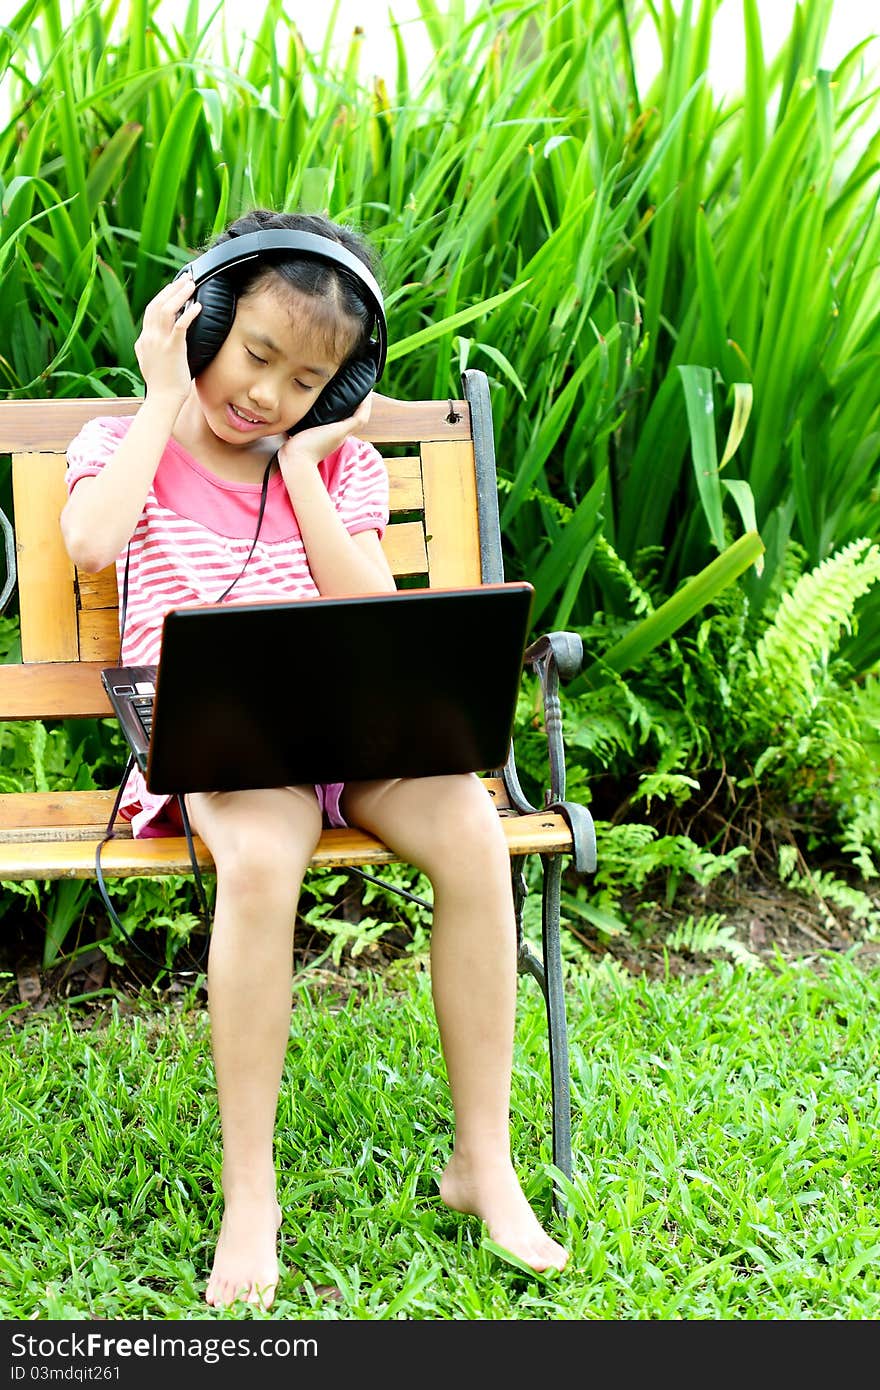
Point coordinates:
[(274, 363)]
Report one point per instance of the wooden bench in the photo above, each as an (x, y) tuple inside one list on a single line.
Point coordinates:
[(444, 531)]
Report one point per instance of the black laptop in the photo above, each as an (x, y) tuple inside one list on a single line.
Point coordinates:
[(408, 684)]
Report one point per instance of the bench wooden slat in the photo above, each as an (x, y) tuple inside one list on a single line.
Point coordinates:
[(123, 857), (70, 815), (26, 425), (54, 690), (97, 590), (451, 525), (47, 601), (405, 492), (405, 549), (99, 635)]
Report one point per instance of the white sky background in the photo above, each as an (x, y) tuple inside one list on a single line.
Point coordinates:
[(852, 21)]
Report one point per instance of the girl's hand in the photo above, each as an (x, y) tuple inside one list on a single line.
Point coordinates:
[(306, 450), (161, 346)]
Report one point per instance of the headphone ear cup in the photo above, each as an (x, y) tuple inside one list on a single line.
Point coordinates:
[(209, 329), (342, 395)]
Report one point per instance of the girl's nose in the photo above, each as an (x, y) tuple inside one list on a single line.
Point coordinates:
[(263, 394)]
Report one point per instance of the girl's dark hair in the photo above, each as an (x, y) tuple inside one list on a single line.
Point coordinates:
[(311, 277)]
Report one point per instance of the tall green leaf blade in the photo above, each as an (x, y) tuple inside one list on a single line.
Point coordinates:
[(754, 132), (743, 396), (571, 549), (660, 625), (172, 158), (404, 346), (711, 300), (700, 404), (110, 164)]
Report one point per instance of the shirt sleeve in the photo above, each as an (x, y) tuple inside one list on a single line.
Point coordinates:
[(357, 481), (96, 442)]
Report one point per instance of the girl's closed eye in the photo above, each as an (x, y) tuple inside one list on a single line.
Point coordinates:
[(301, 385)]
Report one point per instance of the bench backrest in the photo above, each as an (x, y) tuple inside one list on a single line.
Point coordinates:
[(443, 533)]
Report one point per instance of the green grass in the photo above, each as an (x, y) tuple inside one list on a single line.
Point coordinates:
[(724, 1134)]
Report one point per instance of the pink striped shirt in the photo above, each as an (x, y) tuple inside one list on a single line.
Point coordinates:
[(193, 538)]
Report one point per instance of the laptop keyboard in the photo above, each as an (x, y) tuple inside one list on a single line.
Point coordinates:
[(143, 707)]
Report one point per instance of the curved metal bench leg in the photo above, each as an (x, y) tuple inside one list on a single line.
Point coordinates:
[(554, 996)]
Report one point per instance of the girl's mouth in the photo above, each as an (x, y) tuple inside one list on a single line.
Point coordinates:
[(241, 419)]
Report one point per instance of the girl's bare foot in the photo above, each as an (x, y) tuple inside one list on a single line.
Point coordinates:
[(246, 1259), (493, 1193)]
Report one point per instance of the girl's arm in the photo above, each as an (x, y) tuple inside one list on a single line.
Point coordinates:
[(102, 512), (340, 562)]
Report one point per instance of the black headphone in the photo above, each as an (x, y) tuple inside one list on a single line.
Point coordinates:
[(216, 293)]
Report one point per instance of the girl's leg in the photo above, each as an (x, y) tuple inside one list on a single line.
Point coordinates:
[(448, 827), (261, 842)]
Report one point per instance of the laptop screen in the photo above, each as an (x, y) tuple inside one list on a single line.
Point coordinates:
[(418, 682)]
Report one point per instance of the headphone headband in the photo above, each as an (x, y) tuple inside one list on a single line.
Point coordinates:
[(251, 245)]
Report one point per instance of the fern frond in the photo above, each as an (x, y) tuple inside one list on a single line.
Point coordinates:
[(827, 888), (703, 935), (632, 853), (677, 786), (618, 721), (606, 558), (795, 648)]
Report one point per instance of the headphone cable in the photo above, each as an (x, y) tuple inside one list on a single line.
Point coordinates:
[(110, 834)]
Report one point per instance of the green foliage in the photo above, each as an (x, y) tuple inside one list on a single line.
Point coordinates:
[(10, 646), (73, 754), (704, 936), (66, 901), (591, 244), (827, 887), (340, 907), (633, 853), (166, 905), (759, 703), (801, 718), (789, 664)]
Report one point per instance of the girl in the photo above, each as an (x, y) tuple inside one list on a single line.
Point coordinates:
[(177, 487)]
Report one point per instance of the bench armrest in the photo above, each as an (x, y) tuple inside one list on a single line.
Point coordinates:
[(556, 656)]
